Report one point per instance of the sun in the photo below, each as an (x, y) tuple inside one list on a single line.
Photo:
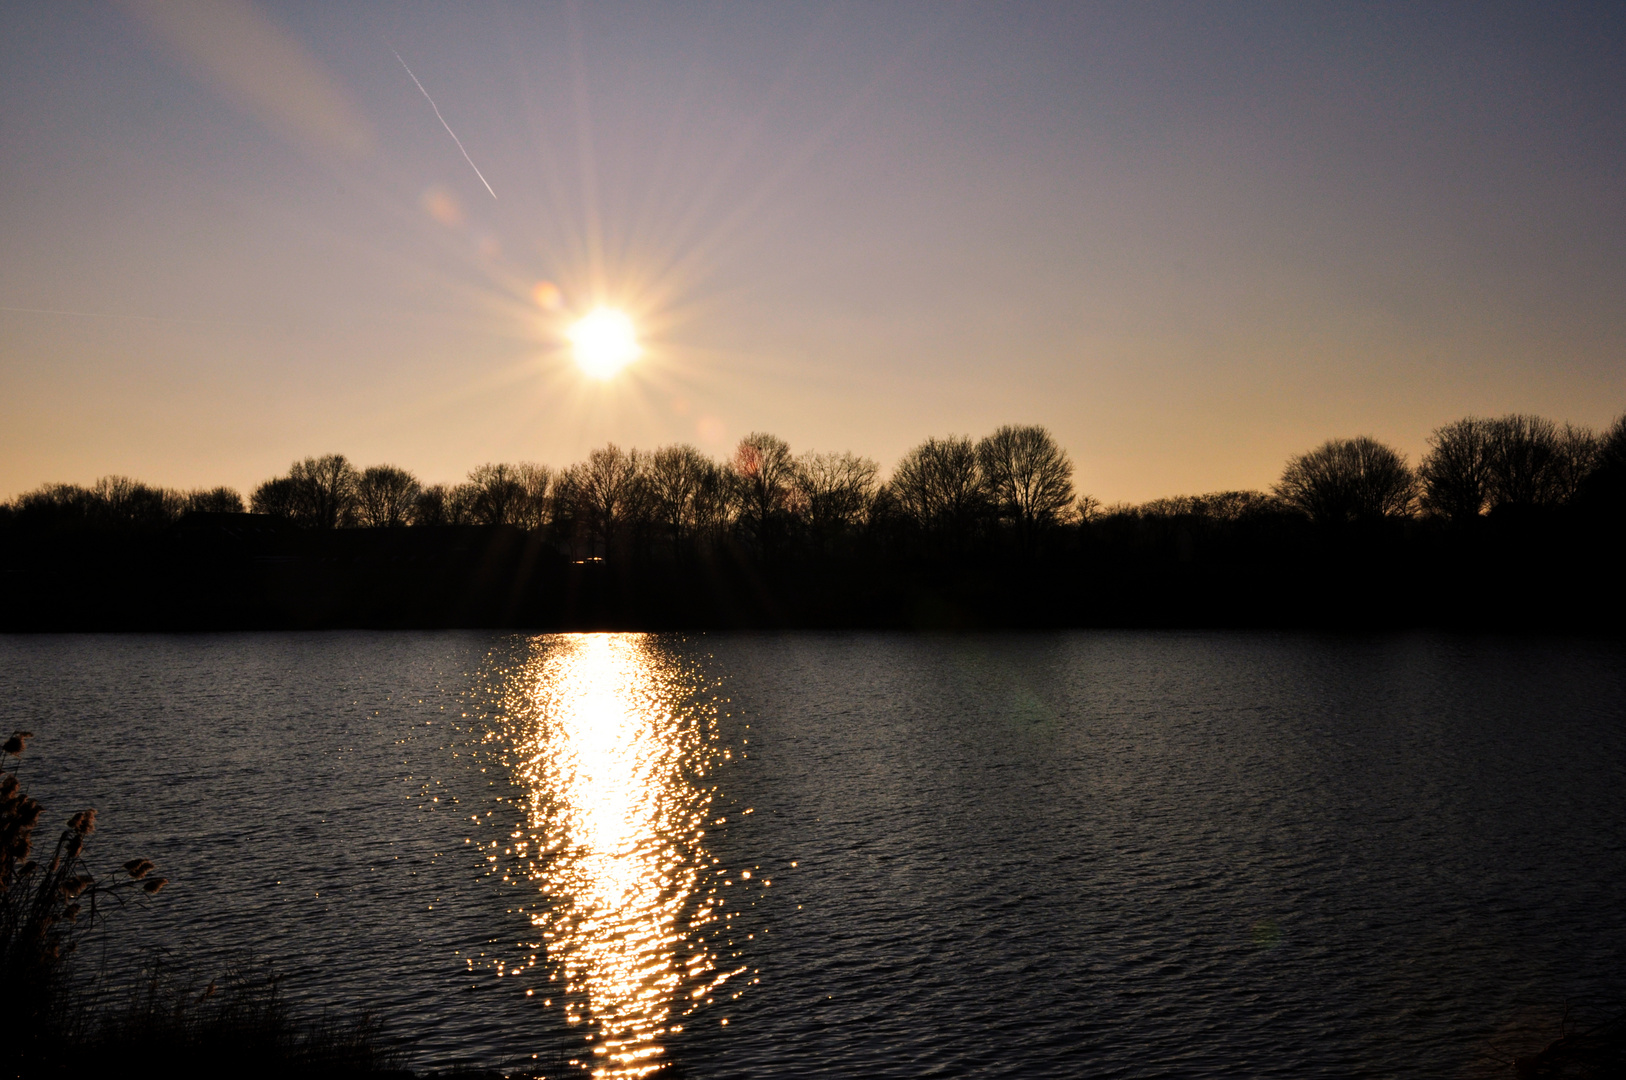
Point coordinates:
[(605, 342)]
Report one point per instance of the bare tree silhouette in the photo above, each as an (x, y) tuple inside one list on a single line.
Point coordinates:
[(1346, 480), (113, 502), (323, 491), (1604, 487), (605, 491), (385, 497), (676, 479), (462, 504), (1455, 472), (535, 482), (276, 497), (1612, 447), (1216, 505), (1028, 477), (121, 502), (716, 500), (498, 494), (1523, 461), (763, 472), (835, 491), (1535, 462), (220, 500), (429, 507), (1578, 449), (57, 504), (938, 485)]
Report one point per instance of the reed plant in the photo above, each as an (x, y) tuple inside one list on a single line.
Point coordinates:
[(47, 906), (57, 1022)]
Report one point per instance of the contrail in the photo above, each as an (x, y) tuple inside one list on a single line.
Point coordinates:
[(445, 125)]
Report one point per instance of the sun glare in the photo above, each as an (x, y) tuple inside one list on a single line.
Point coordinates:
[(604, 341)]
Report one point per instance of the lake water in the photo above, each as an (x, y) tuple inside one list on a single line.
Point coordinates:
[(1103, 854)]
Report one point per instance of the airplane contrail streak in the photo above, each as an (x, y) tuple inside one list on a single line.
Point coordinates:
[(445, 125)]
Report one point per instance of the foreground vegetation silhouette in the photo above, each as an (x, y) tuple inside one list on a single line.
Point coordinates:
[(1511, 522), (1591, 1052), (63, 1018)]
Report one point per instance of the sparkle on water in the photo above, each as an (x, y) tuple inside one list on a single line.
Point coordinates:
[(614, 757)]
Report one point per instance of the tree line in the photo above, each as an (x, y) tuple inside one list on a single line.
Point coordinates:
[(1510, 521), (762, 495), (947, 492), (1473, 466)]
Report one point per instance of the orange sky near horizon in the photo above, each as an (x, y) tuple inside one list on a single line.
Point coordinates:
[(1190, 241)]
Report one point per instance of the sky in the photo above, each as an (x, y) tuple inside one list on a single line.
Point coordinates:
[(1190, 239)]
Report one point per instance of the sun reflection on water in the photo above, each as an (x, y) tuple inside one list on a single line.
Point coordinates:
[(614, 758)]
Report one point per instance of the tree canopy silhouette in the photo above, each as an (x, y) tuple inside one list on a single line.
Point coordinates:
[(763, 474), (220, 500), (938, 485), (1027, 476), (676, 480), (497, 495), (1604, 488), (1345, 480), (385, 497), (318, 493), (1455, 473), (834, 492), (1524, 461)]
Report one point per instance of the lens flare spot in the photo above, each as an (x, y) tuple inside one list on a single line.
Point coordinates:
[(605, 342), (711, 431), (442, 205), (547, 295)]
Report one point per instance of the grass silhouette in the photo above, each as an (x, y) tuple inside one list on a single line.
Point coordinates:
[(58, 1023)]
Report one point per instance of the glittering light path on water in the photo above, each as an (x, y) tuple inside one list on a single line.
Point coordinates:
[(614, 755)]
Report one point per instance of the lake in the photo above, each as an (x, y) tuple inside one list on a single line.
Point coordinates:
[(1033, 855)]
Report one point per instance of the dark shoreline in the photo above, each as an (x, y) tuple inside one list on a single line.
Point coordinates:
[(1549, 573)]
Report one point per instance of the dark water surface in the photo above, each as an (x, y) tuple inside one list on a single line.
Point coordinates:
[(1090, 854)]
